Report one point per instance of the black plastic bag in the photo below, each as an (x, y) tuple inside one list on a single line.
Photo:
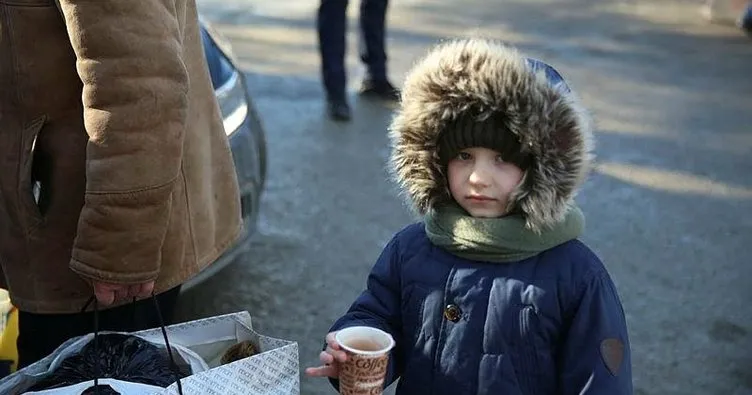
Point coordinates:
[(122, 357), (100, 390)]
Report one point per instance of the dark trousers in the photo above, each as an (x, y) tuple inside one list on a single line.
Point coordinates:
[(40, 334), (332, 25)]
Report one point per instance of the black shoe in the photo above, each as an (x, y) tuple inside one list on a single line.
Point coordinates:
[(339, 110), (382, 89)]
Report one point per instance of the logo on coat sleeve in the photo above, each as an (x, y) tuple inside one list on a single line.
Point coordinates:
[(612, 352)]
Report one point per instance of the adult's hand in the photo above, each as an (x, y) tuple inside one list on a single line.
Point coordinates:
[(108, 294)]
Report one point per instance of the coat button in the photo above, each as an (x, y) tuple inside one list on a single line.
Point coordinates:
[(452, 313)]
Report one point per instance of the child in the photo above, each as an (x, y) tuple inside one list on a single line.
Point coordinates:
[(492, 293)]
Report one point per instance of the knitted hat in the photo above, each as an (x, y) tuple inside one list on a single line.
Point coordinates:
[(469, 130)]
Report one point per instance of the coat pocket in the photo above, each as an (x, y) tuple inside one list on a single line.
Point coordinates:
[(532, 356), (528, 344), (29, 190)]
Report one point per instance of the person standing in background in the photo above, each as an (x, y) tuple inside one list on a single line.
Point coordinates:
[(332, 27)]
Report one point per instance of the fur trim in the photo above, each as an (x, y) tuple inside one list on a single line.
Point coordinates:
[(488, 77)]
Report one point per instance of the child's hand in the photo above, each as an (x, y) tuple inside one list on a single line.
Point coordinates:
[(331, 358)]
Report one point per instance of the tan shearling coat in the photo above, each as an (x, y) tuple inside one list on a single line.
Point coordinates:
[(109, 110)]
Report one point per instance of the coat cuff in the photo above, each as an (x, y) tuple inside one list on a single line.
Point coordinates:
[(89, 272), (120, 235)]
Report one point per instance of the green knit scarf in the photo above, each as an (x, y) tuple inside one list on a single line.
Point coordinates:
[(503, 239)]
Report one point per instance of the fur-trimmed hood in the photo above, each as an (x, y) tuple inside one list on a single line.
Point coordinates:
[(487, 77)]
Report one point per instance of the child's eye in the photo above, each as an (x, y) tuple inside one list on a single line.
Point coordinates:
[(463, 156), (499, 159)]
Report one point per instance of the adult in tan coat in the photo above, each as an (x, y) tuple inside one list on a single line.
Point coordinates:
[(116, 176)]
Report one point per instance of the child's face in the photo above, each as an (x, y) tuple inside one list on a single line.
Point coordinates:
[(481, 182)]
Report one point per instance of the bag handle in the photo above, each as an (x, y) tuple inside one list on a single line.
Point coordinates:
[(173, 365)]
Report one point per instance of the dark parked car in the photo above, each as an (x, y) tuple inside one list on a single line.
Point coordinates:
[(247, 139)]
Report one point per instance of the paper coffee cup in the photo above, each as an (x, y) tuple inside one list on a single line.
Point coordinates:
[(367, 358)]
